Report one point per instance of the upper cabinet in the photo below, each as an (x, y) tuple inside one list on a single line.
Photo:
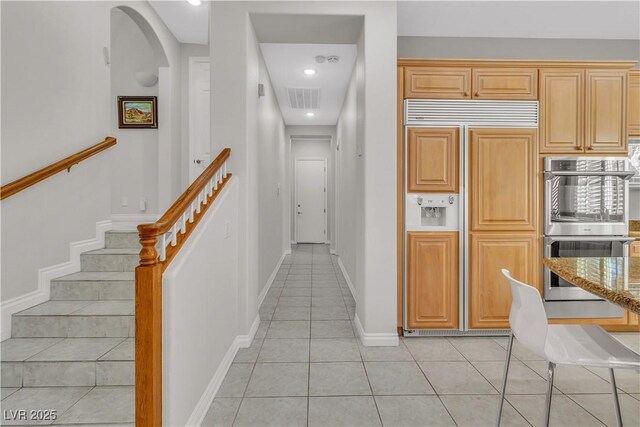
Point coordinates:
[(633, 103), (505, 83), (437, 82), (432, 160), (605, 107), (582, 111), (561, 114)]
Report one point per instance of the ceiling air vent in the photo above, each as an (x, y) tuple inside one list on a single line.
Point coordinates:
[(304, 97)]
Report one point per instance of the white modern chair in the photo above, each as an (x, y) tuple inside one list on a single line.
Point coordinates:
[(585, 345)]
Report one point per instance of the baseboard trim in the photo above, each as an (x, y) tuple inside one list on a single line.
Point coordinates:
[(270, 280), (376, 340), (347, 278), (130, 222), (46, 274), (200, 411), (333, 252), (244, 341)]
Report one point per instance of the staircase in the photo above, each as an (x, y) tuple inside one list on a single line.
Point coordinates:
[(74, 354)]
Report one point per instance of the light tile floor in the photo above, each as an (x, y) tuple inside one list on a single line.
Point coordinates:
[(306, 367)]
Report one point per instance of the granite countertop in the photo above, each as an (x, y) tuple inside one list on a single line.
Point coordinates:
[(634, 228), (616, 279)]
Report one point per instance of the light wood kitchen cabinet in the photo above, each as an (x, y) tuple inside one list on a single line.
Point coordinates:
[(561, 113), (503, 179), (437, 82), (432, 280), (505, 83), (634, 249), (605, 107), (633, 103), (489, 292), (432, 160)]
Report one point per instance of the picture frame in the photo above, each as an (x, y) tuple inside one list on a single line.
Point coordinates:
[(137, 112)]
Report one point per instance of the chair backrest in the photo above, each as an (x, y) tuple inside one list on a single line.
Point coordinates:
[(527, 318)]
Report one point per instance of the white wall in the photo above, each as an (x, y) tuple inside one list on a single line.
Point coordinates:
[(517, 48), (168, 173), (135, 158), (187, 51), (271, 177), (234, 109), (311, 148), (200, 303), (55, 102), (348, 181)]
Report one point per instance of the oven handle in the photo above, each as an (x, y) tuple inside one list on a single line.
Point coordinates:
[(551, 239), (621, 174)]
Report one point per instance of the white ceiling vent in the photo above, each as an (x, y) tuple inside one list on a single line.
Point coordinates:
[(304, 97)]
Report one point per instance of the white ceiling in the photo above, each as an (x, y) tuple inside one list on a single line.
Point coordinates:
[(286, 62), (189, 24), (514, 18), (521, 19)]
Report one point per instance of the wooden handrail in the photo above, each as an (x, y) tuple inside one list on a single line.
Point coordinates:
[(173, 228), (33, 178), (148, 253)]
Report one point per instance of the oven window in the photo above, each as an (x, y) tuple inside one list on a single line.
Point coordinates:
[(587, 199), (583, 248)]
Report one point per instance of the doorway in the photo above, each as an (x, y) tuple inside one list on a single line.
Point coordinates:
[(199, 117), (311, 200)]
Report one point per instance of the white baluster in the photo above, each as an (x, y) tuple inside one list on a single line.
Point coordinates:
[(224, 169), (216, 182), (198, 203), (211, 187), (192, 209), (205, 195), (183, 227), (163, 247), (174, 234)]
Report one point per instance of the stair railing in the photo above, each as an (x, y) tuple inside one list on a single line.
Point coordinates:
[(160, 243), (41, 174)]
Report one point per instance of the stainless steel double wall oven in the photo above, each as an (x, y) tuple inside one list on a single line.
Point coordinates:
[(586, 214)]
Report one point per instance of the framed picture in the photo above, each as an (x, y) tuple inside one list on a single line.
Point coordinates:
[(137, 112)]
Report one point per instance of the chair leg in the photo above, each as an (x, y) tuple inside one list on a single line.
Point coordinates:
[(616, 402), (549, 393), (504, 380)]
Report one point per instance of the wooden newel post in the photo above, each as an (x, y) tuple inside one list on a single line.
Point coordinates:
[(148, 364)]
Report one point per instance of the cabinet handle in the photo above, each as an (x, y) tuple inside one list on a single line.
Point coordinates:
[(465, 94), (476, 94)]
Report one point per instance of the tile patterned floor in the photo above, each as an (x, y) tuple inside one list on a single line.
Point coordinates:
[(306, 368)]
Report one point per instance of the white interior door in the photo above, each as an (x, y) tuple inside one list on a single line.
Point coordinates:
[(199, 118), (311, 201)]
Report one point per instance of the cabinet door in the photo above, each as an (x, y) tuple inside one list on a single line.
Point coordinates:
[(432, 160), (605, 108), (437, 82), (505, 83), (503, 179), (634, 249), (489, 290), (633, 103), (432, 280), (561, 111)]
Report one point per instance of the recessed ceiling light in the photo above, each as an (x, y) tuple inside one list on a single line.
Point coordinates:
[(310, 114), (309, 71), (194, 2)]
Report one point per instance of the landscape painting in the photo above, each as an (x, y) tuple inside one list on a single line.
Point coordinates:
[(137, 112)]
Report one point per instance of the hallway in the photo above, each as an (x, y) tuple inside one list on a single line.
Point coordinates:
[(306, 367)]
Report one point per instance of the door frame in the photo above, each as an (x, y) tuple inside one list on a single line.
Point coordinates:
[(190, 148), (295, 189)]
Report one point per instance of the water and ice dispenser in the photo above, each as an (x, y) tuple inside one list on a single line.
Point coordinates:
[(432, 211)]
